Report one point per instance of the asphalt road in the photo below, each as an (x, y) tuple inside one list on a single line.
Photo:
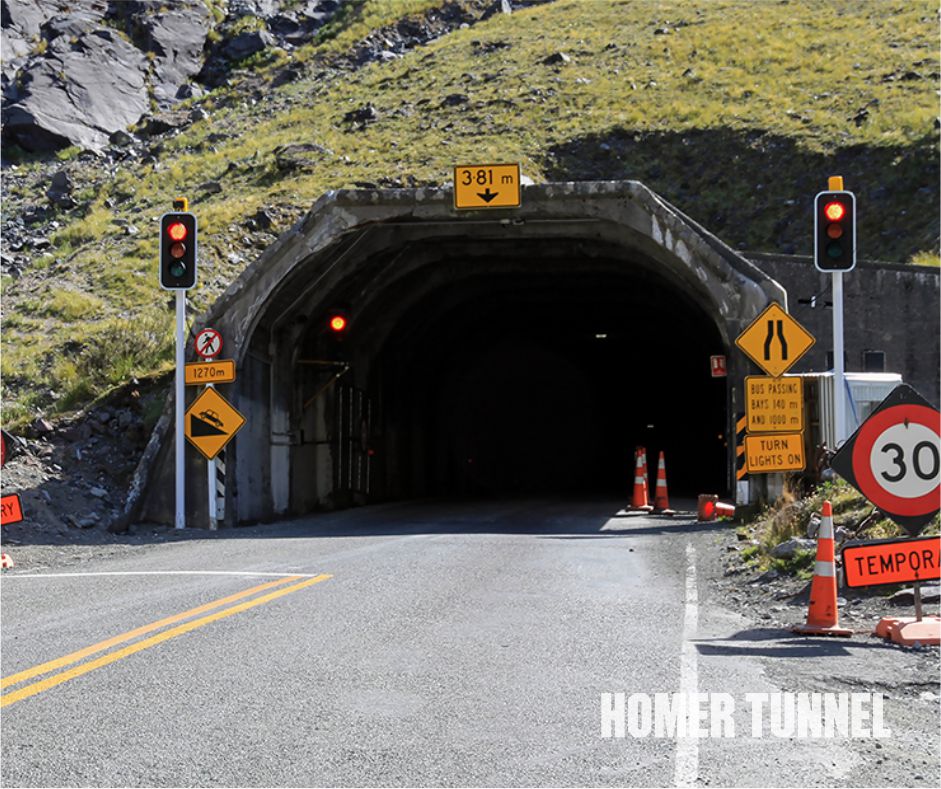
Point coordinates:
[(415, 644)]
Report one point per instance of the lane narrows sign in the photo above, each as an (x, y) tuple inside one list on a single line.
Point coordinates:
[(774, 340), (894, 459)]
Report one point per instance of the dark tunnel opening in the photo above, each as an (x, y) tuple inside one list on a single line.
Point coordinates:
[(544, 383)]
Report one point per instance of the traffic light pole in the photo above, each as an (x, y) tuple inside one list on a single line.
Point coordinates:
[(180, 443), (839, 384)]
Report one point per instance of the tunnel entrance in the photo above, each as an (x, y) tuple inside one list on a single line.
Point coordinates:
[(543, 383), (510, 352)]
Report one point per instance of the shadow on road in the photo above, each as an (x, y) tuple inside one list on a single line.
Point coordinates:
[(562, 518), (782, 643)]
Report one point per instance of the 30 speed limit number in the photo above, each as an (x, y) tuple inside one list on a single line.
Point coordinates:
[(894, 459), (905, 460)]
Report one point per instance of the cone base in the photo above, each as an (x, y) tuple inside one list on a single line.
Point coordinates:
[(663, 511), (641, 508), (908, 631), (822, 630)]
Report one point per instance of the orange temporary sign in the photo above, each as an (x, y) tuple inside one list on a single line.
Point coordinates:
[(11, 511), (892, 562)]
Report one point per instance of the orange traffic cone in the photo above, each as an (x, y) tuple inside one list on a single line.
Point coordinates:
[(639, 497), (661, 501), (823, 618), (710, 508)]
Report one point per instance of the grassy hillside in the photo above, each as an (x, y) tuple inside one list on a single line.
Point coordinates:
[(734, 111)]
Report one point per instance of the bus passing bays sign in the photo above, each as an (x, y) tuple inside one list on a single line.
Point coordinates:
[(894, 459)]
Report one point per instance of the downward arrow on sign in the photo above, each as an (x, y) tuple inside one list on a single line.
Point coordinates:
[(488, 195)]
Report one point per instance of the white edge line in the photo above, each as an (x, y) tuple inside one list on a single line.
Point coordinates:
[(686, 767), (163, 572)]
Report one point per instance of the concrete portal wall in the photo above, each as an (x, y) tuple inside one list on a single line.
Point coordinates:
[(886, 307)]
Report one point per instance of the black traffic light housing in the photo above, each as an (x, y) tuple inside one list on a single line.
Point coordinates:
[(177, 250), (835, 231)]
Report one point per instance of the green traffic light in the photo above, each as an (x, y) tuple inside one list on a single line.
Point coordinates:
[(177, 269), (834, 250)]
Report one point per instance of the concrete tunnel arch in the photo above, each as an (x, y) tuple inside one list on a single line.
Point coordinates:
[(415, 276)]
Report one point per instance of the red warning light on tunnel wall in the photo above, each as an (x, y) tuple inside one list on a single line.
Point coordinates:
[(337, 323)]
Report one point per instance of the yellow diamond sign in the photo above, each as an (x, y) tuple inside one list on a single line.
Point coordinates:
[(774, 340), (210, 422)]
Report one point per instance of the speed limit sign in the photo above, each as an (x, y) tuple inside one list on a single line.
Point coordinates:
[(894, 459)]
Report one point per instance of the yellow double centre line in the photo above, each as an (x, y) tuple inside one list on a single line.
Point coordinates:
[(74, 657)]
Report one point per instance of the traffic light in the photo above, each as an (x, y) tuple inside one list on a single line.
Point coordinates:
[(337, 322), (835, 231), (177, 251)]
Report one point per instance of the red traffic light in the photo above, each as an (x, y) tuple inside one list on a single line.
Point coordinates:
[(177, 231), (337, 323), (834, 211)]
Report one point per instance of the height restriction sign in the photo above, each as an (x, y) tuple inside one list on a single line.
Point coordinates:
[(894, 459)]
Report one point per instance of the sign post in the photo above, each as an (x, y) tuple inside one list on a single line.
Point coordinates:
[(180, 390), (839, 382)]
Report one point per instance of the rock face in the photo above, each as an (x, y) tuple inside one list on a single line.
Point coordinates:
[(79, 93), (76, 72), (176, 35)]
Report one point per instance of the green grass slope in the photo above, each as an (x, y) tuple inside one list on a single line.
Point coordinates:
[(735, 111)]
